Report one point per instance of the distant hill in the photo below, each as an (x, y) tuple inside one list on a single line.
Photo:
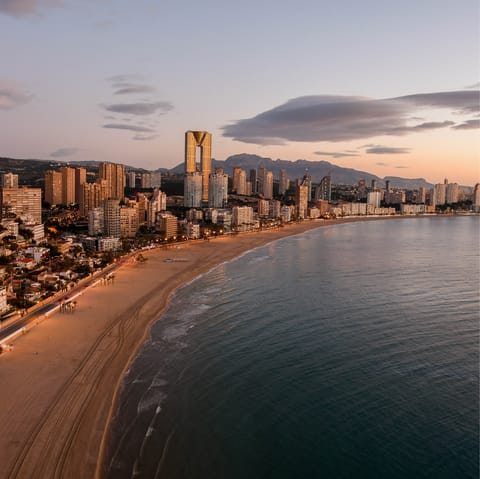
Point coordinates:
[(317, 170)]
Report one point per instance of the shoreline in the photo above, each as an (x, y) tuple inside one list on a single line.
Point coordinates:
[(64, 377)]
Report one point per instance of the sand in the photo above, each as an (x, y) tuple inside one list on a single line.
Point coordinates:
[(60, 382)]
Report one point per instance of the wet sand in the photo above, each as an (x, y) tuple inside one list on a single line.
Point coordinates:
[(60, 382)]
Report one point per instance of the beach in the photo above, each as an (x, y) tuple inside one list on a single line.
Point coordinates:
[(61, 380)]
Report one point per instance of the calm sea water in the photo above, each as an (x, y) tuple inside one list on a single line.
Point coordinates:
[(350, 351)]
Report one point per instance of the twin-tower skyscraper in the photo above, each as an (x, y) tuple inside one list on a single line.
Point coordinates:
[(201, 140)]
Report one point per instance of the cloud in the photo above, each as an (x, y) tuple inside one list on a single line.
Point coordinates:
[(12, 96), (118, 126), (402, 167), (336, 154), (132, 88), (144, 108), (381, 163), (467, 125), (343, 118), (386, 150), (18, 8), (62, 152), (145, 137)]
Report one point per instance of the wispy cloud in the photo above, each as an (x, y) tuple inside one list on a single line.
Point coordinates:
[(401, 167), (144, 108), (12, 96), (119, 126), (62, 152), (381, 163), (386, 150), (145, 137), (336, 154), (344, 118), (132, 88), (131, 116), (468, 125), (19, 8)]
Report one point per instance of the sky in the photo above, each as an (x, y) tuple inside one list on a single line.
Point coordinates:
[(387, 87)]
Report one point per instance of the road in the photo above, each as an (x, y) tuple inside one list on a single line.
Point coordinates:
[(50, 304)]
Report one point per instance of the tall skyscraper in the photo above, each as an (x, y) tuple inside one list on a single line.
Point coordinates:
[(301, 198), (114, 175), (242, 183), (131, 179), (91, 196), (451, 194), (236, 178), (202, 140), (80, 180), (218, 190), (68, 185), (53, 187), (146, 180), (111, 210), (283, 186), (324, 189), (268, 185)]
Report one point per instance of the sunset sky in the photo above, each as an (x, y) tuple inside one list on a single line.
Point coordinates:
[(387, 87)]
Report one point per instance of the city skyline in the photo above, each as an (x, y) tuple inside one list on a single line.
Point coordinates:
[(390, 89)]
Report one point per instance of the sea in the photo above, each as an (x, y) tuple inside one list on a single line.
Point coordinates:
[(348, 351)]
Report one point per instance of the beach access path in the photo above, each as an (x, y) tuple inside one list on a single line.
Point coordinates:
[(60, 381)]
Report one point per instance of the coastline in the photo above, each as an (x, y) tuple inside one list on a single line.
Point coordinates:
[(63, 378)]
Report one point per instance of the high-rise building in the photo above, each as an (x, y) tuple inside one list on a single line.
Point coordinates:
[(9, 180), (263, 208), (157, 203), (68, 185), (476, 198), (129, 220), (237, 170), (111, 210), (91, 196), (53, 187), (23, 202), (114, 175), (242, 217), (451, 194), (254, 181), (324, 189), (218, 190), (373, 198), (440, 190), (192, 190), (202, 140), (268, 185), (301, 198), (284, 182), (95, 221), (80, 180), (131, 179), (167, 225), (156, 179), (262, 171), (146, 180)]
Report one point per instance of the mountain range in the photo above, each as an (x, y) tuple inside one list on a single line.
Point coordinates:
[(316, 169), (31, 171)]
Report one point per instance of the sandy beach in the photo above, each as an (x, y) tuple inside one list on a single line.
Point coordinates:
[(61, 380)]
